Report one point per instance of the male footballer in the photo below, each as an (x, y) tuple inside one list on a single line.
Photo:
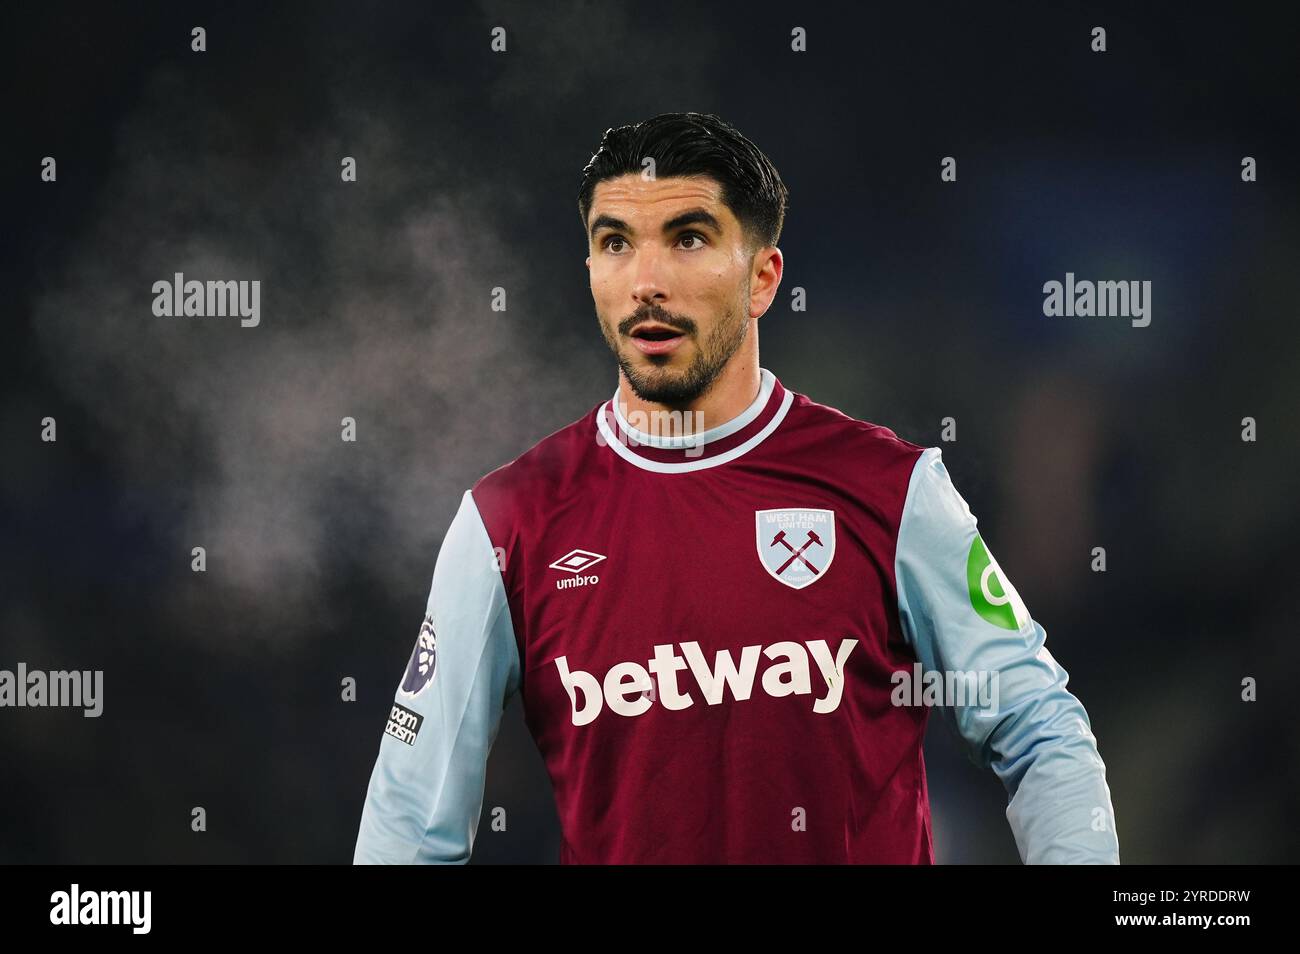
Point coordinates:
[(726, 608)]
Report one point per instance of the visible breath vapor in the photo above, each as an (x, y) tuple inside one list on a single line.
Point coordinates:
[(375, 305)]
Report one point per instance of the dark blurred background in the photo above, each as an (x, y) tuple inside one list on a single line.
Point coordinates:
[(222, 689)]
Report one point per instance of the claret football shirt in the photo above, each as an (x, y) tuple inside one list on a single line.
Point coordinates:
[(726, 646)]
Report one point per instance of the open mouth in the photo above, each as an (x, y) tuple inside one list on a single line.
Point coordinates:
[(657, 334), (653, 338)]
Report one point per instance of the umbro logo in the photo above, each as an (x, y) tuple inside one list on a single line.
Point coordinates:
[(575, 561)]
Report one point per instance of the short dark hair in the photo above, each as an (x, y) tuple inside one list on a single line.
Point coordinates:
[(689, 144)]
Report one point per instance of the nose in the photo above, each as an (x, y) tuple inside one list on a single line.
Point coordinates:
[(649, 285)]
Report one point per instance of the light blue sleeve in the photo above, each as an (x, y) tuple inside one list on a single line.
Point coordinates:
[(426, 790), (961, 614)]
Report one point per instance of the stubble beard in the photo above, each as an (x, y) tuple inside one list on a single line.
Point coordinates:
[(662, 384)]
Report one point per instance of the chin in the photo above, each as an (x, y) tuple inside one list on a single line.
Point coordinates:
[(659, 369), (662, 385)]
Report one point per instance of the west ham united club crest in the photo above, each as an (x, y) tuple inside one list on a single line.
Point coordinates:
[(796, 546), (419, 671)]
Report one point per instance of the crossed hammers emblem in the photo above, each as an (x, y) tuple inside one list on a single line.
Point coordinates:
[(796, 554)]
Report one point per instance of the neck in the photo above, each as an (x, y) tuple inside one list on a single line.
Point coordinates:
[(734, 389)]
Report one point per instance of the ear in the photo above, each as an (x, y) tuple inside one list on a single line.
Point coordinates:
[(766, 280), (588, 263)]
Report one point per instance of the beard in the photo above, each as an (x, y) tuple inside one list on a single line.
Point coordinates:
[(664, 384)]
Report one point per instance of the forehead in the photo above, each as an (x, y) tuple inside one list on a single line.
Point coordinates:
[(630, 196)]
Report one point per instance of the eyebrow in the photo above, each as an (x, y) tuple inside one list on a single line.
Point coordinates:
[(690, 217)]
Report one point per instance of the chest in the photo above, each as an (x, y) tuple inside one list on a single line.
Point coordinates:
[(726, 588)]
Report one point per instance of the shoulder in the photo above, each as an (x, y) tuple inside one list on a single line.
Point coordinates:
[(539, 473), (863, 446)]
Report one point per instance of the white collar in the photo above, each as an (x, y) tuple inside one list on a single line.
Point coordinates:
[(767, 380), (692, 445)]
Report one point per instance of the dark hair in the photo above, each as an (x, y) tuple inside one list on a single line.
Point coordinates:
[(689, 144)]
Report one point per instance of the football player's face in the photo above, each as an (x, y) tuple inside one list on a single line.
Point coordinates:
[(670, 276)]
